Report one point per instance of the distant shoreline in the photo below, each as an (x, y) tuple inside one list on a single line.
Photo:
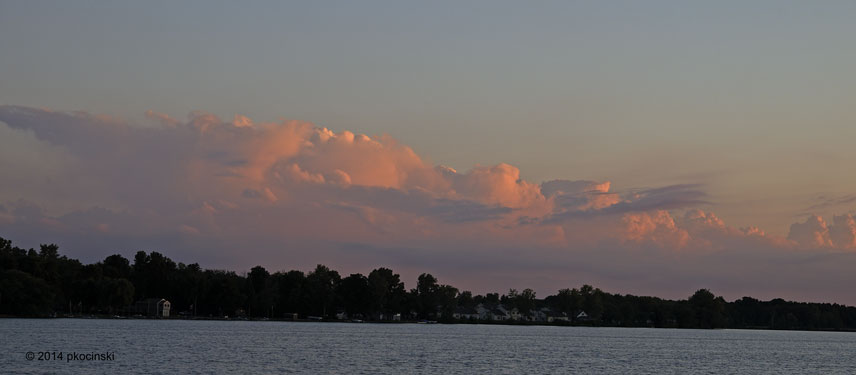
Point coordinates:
[(43, 284), (385, 322)]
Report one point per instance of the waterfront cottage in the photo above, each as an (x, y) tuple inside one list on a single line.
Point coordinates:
[(465, 313), (498, 314), (555, 316), (157, 307)]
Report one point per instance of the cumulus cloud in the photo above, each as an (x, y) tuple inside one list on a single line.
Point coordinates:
[(500, 184), (658, 227), (817, 233), (812, 233), (207, 158), (204, 173), (843, 232), (295, 192), (171, 168)]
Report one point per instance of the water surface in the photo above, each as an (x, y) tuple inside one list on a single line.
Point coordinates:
[(179, 346)]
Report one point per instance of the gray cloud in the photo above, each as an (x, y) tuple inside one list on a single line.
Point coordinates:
[(663, 198)]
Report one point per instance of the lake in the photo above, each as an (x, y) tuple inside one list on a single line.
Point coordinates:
[(181, 346)]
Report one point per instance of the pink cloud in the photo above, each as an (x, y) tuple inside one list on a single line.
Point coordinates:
[(817, 233), (500, 185), (293, 192), (658, 227), (173, 169), (843, 232)]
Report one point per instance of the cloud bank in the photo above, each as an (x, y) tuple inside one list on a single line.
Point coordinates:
[(235, 193)]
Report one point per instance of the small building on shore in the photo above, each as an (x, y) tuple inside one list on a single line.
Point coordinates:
[(465, 313), (498, 314), (555, 316), (157, 307)]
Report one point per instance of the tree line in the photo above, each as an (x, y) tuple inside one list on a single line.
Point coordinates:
[(45, 283)]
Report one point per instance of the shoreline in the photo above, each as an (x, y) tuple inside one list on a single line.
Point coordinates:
[(480, 322)]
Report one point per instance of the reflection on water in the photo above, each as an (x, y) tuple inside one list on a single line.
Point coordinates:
[(175, 346)]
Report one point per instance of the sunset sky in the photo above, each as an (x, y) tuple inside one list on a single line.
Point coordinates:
[(643, 147)]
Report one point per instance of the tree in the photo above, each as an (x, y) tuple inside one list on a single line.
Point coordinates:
[(222, 294), (592, 301), (8, 255), (49, 251), (708, 309), (523, 301), (426, 292), (568, 301), (491, 298), (261, 301), (257, 277), (116, 293), (447, 301), (355, 294), (289, 287), (139, 274), (189, 282), (117, 266), (466, 299), (387, 291), (320, 290), (23, 294)]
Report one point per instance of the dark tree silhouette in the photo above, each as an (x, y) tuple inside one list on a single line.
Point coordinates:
[(43, 282)]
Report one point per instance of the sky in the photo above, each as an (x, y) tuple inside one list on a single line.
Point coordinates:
[(643, 147)]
